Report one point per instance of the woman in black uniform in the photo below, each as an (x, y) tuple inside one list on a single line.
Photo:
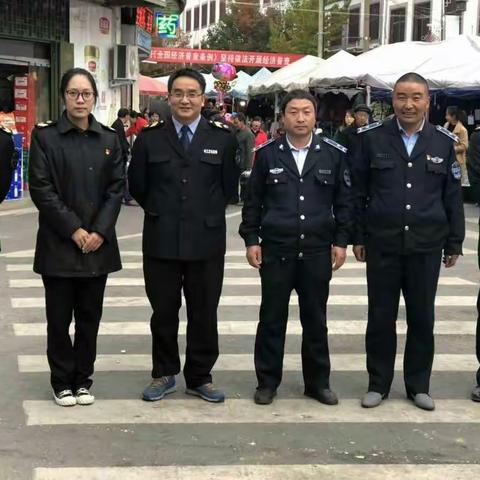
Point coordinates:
[(76, 182)]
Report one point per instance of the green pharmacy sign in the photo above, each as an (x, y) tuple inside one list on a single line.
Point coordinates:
[(167, 25)]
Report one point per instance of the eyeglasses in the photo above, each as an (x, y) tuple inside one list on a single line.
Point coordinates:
[(179, 95), (74, 94)]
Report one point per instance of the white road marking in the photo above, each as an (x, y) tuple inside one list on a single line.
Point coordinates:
[(18, 211), (266, 472), (244, 362), (176, 411), (245, 327)]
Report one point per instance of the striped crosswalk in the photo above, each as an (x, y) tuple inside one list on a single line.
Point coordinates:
[(126, 320)]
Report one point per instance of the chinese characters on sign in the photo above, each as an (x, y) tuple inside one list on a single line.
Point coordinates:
[(145, 19), (167, 25), (242, 59)]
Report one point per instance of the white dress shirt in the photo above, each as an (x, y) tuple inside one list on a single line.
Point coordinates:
[(300, 154)]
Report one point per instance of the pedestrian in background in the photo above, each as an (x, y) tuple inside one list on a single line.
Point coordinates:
[(473, 166), (456, 121), (120, 125), (409, 210), (76, 181), (7, 161), (246, 144), (137, 124), (296, 225), (182, 173)]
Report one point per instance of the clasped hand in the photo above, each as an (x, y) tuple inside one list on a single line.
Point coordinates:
[(87, 242)]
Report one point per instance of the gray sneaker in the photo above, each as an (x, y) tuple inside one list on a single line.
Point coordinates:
[(372, 399), (158, 388)]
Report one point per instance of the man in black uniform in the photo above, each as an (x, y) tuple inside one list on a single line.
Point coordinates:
[(7, 161), (473, 167), (182, 173), (298, 204), (408, 210)]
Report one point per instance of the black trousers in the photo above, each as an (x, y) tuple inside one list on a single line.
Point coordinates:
[(416, 276), (71, 365), (201, 282), (310, 278)]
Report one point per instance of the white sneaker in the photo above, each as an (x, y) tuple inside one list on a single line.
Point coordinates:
[(65, 398), (84, 397)]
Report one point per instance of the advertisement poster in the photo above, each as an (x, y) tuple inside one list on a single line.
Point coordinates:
[(93, 35)]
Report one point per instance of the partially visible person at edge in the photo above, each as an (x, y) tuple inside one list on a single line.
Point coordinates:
[(246, 144), (138, 123), (296, 224), (76, 177), (182, 173), (7, 160), (473, 166), (349, 136), (409, 211), (120, 125), (455, 122)]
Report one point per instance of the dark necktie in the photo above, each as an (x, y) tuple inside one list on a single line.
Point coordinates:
[(184, 138)]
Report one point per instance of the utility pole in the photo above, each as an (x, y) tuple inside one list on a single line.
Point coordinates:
[(366, 26), (320, 27)]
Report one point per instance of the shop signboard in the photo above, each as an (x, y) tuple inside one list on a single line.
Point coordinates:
[(167, 24)]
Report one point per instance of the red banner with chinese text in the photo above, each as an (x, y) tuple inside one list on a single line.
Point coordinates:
[(239, 59)]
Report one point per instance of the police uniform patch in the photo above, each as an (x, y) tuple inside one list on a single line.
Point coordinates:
[(220, 125), (447, 132), (368, 127), (333, 143), (48, 123), (160, 123), (346, 178), (456, 170)]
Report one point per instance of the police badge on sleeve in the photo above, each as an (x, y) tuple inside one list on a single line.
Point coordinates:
[(456, 170)]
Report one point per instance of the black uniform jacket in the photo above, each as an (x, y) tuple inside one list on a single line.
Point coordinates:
[(293, 214), (408, 204), (120, 129), (7, 161), (350, 139), (76, 180), (473, 164), (183, 194)]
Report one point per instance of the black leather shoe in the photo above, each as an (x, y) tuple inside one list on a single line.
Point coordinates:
[(264, 396), (326, 396)]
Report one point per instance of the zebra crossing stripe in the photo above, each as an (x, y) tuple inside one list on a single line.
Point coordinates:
[(266, 472), (245, 327), (244, 362), (252, 301), (176, 411), (114, 281)]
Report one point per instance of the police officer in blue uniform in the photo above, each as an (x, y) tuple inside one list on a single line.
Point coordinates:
[(408, 212), (296, 224)]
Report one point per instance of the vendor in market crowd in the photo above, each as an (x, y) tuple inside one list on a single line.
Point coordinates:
[(260, 135)]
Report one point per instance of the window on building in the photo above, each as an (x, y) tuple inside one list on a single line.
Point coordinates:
[(188, 21), (204, 15), (223, 8), (421, 21), (354, 25), (374, 21), (196, 18), (397, 24), (212, 12)]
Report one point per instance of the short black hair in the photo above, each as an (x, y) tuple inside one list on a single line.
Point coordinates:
[(187, 72), (240, 117), (134, 114), (72, 72), (256, 119), (123, 112), (412, 77), (458, 114), (297, 95)]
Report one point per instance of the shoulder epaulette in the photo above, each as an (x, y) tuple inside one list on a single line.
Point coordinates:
[(158, 124), (106, 127), (447, 132), (220, 125), (264, 144), (48, 123), (6, 130), (370, 126), (333, 143)]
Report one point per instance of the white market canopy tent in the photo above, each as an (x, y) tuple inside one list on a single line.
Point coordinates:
[(452, 64), (295, 75)]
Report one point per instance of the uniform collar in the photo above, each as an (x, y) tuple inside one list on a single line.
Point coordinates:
[(306, 147), (403, 132), (192, 126), (64, 125)]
